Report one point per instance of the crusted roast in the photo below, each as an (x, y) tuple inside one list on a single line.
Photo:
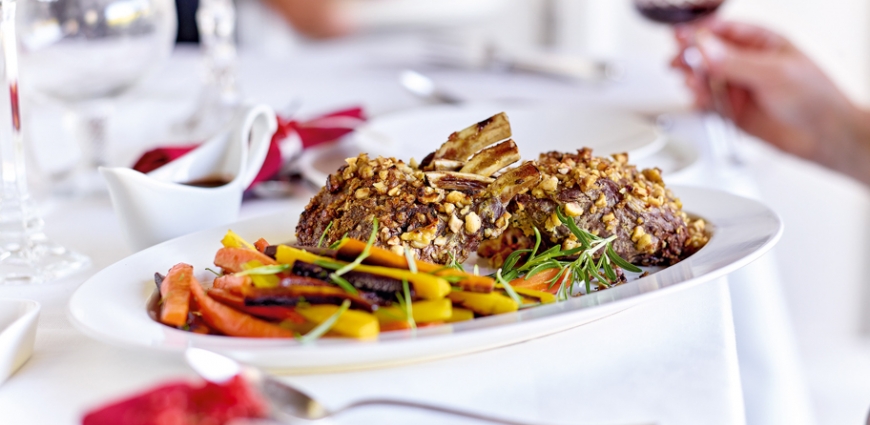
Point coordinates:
[(439, 210), (604, 196)]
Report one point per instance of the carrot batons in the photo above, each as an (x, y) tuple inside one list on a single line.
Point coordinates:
[(175, 295), (232, 322)]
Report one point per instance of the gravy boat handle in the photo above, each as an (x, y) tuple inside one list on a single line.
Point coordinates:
[(256, 134)]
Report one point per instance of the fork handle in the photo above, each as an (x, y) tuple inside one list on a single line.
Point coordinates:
[(441, 409)]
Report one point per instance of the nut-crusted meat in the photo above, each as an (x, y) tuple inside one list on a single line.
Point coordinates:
[(605, 197), (436, 212)]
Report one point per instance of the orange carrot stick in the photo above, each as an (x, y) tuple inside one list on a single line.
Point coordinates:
[(261, 244), (175, 295), (232, 283), (233, 259), (273, 312), (541, 281), (232, 322)]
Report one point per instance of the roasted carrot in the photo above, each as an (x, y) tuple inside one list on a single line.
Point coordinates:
[(261, 244), (271, 312), (233, 260), (232, 283), (175, 295), (541, 281), (351, 248), (233, 322)]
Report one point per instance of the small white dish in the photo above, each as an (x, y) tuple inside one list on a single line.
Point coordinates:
[(111, 306), (537, 128), (176, 198), (17, 333)]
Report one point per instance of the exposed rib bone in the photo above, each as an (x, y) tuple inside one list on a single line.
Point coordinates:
[(452, 180), (462, 144), (515, 181), (446, 165), (488, 161)]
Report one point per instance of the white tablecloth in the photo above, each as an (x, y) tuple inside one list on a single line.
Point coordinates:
[(672, 360)]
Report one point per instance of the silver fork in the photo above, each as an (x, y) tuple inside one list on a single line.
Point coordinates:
[(289, 404)]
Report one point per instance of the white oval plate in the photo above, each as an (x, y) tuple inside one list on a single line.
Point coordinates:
[(110, 306), (536, 128)]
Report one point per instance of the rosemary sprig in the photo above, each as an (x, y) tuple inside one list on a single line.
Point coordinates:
[(324, 326), (584, 269)]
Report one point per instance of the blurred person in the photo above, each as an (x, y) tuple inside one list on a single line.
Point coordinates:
[(778, 94)]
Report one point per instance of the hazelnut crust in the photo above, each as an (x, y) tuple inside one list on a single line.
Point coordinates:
[(435, 224), (604, 196)]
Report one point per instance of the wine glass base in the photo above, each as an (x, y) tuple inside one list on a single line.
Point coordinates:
[(37, 260)]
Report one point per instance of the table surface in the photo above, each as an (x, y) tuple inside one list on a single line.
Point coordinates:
[(672, 360)]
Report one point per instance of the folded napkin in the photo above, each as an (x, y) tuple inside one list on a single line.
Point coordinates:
[(291, 137), (182, 403)]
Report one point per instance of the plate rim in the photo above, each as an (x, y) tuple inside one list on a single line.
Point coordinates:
[(569, 309)]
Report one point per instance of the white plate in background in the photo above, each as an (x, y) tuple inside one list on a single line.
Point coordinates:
[(111, 306), (537, 128)]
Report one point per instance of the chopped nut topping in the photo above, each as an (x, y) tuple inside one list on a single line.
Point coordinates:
[(601, 202), (455, 224), (472, 222), (573, 209), (362, 193)]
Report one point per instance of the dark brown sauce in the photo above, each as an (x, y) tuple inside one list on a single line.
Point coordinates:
[(208, 182)]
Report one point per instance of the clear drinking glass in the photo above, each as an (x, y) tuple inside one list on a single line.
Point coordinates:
[(85, 53), (26, 255)]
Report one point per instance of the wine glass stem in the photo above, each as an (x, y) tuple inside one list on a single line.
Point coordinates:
[(216, 22), (16, 209), (91, 127), (722, 131)]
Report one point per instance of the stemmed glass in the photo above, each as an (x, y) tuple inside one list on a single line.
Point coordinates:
[(720, 126), (26, 255), (216, 24), (85, 53)]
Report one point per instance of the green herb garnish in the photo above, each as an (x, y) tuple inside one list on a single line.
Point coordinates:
[(325, 326), (508, 288), (323, 235), (215, 273), (412, 264), (405, 303), (264, 270), (585, 269)]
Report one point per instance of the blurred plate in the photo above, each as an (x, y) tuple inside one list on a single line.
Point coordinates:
[(415, 133)]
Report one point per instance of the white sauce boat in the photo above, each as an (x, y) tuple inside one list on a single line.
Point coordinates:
[(162, 204)]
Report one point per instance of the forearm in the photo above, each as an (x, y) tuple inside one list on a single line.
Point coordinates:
[(846, 147)]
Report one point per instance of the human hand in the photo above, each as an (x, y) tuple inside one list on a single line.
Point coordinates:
[(778, 94), (313, 18)]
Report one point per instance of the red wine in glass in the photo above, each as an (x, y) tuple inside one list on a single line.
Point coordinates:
[(676, 11)]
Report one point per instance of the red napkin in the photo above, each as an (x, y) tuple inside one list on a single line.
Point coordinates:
[(312, 132), (181, 403)]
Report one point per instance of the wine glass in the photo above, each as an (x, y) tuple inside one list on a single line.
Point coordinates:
[(217, 102), (86, 53), (26, 255), (720, 126)]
